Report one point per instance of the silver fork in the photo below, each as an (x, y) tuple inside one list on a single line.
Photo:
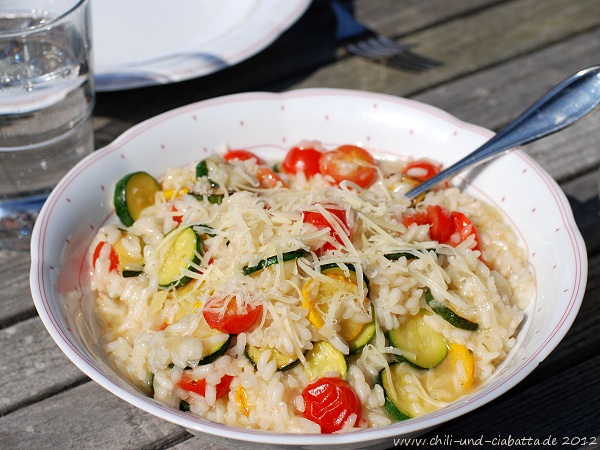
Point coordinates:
[(364, 42)]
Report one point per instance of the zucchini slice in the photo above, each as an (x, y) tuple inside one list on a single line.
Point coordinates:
[(183, 254), (394, 386), (287, 256), (316, 298), (284, 362), (213, 199), (395, 256), (323, 358), (396, 380), (133, 193), (129, 265), (203, 170), (365, 336), (214, 348), (425, 348), (335, 269), (184, 406), (448, 315)]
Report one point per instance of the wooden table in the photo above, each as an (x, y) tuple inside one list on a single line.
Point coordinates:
[(498, 56)]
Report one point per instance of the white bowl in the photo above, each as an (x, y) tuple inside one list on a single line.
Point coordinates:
[(269, 124)]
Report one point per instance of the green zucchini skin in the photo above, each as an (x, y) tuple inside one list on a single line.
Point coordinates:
[(448, 315), (287, 256), (253, 353), (395, 256), (133, 193), (324, 268), (216, 354), (184, 256), (391, 408), (202, 171), (323, 358), (184, 406), (427, 347), (365, 336)]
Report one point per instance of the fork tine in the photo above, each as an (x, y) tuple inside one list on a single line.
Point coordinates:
[(414, 60), (361, 41)]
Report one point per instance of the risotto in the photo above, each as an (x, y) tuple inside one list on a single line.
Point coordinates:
[(307, 297)]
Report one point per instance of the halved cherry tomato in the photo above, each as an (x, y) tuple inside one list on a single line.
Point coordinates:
[(464, 228), (267, 178), (242, 155), (349, 162), (445, 227), (302, 159), (230, 321), (330, 402), (421, 169), (188, 383), (112, 256), (319, 221)]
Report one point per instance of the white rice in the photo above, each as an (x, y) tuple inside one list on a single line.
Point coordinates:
[(152, 335)]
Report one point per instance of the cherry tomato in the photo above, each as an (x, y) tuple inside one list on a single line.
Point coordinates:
[(330, 402), (242, 155), (421, 169), (230, 321), (188, 383), (439, 220), (463, 229), (445, 227), (112, 256), (267, 178), (302, 159), (176, 218), (442, 225), (351, 163), (319, 221)]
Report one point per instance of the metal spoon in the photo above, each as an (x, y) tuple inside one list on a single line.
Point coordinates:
[(563, 105)]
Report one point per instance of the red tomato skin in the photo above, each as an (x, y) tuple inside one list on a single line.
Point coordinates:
[(442, 225), (329, 402), (231, 322), (429, 168), (439, 220), (242, 155), (302, 159), (267, 178), (349, 162), (176, 218), (199, 386), (445, 227), (113, 256), (464, 228), (319, 221)]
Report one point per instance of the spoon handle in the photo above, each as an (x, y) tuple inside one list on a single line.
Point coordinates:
[(563, 105)]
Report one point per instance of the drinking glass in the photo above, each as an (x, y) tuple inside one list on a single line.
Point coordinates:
[(46, 98)]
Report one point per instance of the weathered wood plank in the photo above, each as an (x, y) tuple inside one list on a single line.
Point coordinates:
[(408, 16), (15, 296), (583, 196), (33, 367), (86, 417), (468, 44), (493, 97)]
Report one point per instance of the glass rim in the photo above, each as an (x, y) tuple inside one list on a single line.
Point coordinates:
[(41, 26)]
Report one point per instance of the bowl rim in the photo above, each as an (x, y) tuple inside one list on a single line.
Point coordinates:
[(413, 426)]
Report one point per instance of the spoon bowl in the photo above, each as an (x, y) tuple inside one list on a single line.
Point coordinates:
[(565, 104)]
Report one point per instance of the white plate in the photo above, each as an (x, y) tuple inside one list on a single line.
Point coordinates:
[(269, 124), (148, 42)]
